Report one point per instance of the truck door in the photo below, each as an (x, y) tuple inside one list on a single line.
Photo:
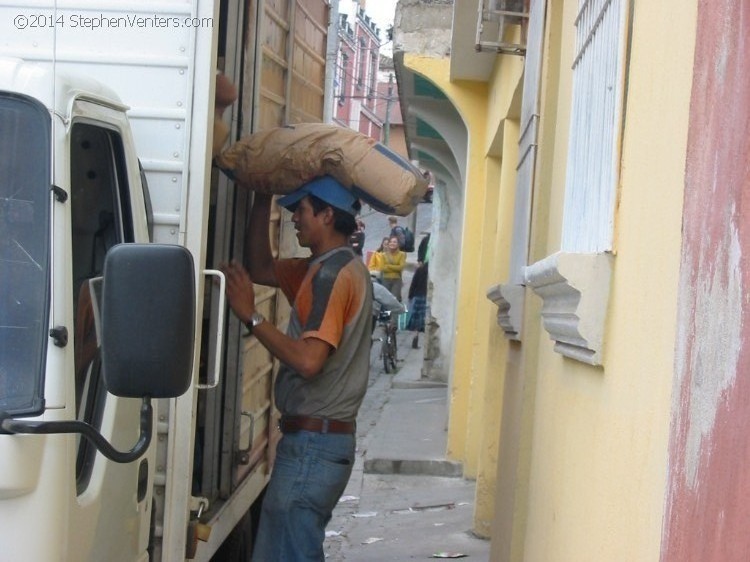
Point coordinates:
[(110, 497), (232, 433)]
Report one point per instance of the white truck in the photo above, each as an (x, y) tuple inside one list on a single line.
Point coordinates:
[(106, 114)]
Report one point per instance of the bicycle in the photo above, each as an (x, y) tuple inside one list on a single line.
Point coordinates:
[(388, 346)]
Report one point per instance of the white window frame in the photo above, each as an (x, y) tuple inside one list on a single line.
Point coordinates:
[(575, 282), (595, 127), (361, 63)]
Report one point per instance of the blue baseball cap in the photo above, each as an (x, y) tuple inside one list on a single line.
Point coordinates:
[(325, 188)]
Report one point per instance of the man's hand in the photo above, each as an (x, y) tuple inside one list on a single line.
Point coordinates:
[(240, 290), (306, 356)]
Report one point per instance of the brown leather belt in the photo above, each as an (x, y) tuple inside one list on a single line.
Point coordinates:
[(292, 424)]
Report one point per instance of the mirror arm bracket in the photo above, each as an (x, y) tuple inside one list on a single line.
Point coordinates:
[(11, 425)]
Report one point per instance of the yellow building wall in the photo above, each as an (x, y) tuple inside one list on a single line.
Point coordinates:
[(522, 370), (476, 394), (484, 425), (469, 99), (490, 345), (574, 456), (502, 112), (594, 484)]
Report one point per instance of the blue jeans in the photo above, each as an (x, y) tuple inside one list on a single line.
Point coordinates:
[(308, 478)]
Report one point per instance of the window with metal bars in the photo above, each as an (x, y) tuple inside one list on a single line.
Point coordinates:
[(373, 81), (362, 57), (593, 149), (343, 78)]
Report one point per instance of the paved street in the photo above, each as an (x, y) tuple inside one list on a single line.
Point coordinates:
[(404, 500)]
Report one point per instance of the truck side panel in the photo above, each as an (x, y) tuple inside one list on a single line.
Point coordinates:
[(285, 87), (149, 67)]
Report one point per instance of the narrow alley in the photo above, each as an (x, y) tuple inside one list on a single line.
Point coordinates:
[(404, 499)]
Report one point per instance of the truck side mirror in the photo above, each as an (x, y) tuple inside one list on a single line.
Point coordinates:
[(148, 320), (147, 339)]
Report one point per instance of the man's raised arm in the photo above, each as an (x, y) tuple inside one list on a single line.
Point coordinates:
[(258, 257)]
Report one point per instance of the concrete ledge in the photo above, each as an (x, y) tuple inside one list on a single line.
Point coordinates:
[(414, 384), (510, 303), (575, 290), (422, 467)]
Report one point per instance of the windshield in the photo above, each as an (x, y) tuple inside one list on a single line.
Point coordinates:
[(24, 249)]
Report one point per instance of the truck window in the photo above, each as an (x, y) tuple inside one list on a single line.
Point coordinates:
[(100, 218), (24, 252)]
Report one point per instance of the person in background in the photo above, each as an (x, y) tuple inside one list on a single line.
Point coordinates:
[(382, 301), (392, 268), (423, 250), (376, 260), (418, 302), (397, 231), (418, 292), (357, 239), (324, 356)]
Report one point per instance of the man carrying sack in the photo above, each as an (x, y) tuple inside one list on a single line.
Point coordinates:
[(324, 357)]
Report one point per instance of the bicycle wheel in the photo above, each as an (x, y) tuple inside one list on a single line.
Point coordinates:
[(392, 350), (385, 352)]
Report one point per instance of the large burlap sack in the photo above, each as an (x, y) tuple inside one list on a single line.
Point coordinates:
[(282, 159), (226, 95), (221, 134)]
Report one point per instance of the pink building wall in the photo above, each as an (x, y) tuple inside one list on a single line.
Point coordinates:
[(357, 95), (707, 514), (344, 78)]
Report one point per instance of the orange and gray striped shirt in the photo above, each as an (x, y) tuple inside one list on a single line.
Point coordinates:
[(331, 299)]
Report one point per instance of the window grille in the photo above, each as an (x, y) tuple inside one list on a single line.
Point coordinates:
[(593, 153)]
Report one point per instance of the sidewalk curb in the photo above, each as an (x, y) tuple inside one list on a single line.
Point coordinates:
[(411, 384), (421, 467)]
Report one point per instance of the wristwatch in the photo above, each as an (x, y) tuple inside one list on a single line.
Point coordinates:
[(255, 319)]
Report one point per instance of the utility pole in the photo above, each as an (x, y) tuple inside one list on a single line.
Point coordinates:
[(388, 103), (387, 137)]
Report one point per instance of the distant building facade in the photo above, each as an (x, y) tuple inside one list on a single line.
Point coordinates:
[(355, 92)]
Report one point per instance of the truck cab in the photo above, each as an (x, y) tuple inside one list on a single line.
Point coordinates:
[(71, 191)]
